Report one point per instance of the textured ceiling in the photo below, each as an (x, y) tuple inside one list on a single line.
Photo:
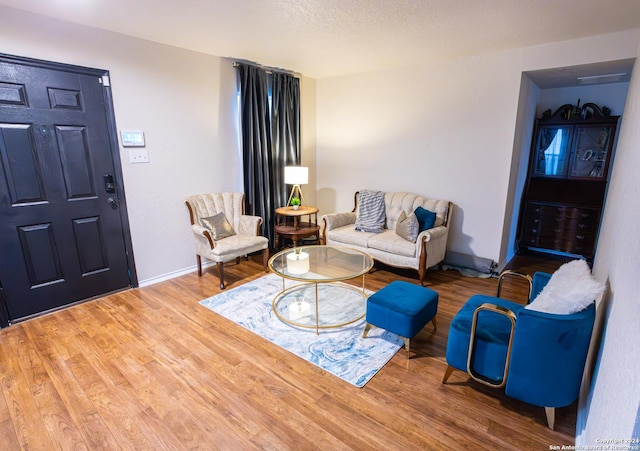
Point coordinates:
[(324, 38)]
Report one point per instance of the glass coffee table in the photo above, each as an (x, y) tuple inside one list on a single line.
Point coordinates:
[(321, 300)]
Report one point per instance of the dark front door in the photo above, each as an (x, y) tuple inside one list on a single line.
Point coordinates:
[(61, 230)]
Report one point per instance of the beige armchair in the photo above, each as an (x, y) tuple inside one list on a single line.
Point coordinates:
[(211, 240)]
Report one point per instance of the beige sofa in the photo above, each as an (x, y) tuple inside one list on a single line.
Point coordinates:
[(388, 247)]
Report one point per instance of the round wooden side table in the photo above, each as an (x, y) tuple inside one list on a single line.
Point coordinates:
[(290, 224)]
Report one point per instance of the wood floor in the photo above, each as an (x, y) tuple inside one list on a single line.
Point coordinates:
[(151, 369)]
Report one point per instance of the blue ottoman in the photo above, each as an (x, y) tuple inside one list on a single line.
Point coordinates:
[(402, 308)]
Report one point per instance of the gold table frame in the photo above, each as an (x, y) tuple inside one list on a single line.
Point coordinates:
[(327, 265)]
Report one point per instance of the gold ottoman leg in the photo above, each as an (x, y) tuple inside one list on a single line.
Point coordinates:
[(367, 327), (407, 346)]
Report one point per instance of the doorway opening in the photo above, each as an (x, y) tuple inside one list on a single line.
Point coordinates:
[(604, 84)]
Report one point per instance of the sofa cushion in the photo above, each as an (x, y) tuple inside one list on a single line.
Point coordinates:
[(426, 218), (389, 241), (349, 236), (407, 227), (232, 246), (397, 202), (393, 214)]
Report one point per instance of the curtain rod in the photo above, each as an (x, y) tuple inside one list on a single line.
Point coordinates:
[(268, 69)]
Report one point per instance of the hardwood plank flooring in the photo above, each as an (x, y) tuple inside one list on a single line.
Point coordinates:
[(150, 368)]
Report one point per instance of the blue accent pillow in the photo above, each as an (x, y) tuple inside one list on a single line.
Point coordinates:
[(426, 219)]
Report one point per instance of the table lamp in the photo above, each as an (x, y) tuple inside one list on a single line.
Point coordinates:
[(296, 176)]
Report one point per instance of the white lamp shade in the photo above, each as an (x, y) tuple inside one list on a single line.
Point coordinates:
[(296, 175)]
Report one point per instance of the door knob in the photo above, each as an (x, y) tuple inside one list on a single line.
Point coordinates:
[(113, 202)]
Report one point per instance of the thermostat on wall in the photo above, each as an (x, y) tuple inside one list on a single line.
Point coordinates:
[(132, 138)]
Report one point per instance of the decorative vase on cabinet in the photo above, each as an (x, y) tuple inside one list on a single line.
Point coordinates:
[(567, 180)]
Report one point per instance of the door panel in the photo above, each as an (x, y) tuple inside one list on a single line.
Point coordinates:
[(12, 94), (75, 160), (21, 167), (64, 98), (40, 253), (61, 234), (90, 244)]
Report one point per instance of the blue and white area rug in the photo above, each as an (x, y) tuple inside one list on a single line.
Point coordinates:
[(341, 351)]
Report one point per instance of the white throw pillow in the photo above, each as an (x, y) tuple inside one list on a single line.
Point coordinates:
[(571, 289)]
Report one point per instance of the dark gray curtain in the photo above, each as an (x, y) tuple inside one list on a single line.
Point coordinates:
[(285, 124), (257, 152), (270, 139)]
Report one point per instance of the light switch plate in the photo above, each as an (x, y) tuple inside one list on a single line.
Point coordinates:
[(138, 155)]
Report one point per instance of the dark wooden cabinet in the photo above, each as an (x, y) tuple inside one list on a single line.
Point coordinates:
[(567, 180), (560, 227)]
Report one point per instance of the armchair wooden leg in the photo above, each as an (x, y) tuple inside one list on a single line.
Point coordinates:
[(221, 271), (435, 325), (551, 416), (422, 264), (265, 259), (447, 373), (199, 260)]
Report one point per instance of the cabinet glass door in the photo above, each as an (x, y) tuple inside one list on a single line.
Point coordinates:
[(552, 151), (591, 152)]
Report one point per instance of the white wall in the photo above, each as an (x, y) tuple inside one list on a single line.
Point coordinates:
[(528, 98), (444, 130), (612, 409), (437, 130)]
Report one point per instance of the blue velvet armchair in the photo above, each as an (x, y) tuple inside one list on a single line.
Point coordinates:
[(537, 357)]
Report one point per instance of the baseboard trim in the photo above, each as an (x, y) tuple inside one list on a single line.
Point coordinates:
[(480, 264), (172, 275)]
